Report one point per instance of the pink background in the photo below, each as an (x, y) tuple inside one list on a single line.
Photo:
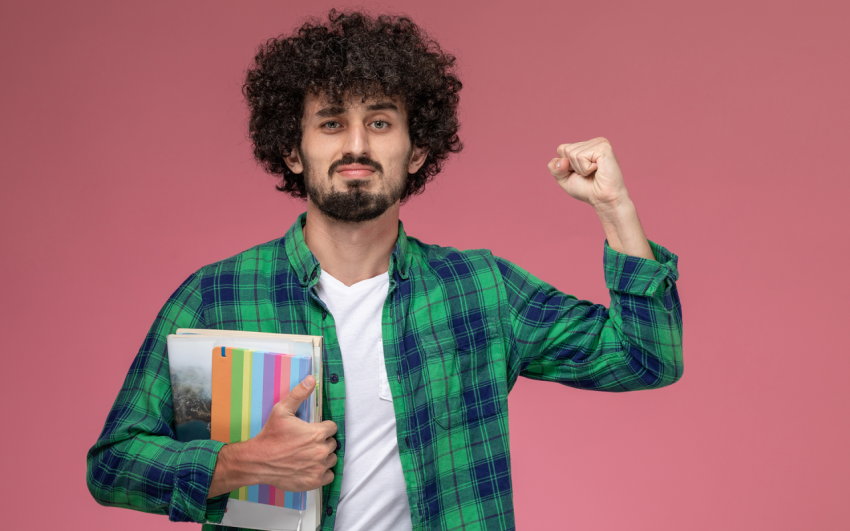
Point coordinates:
[(123, 128)]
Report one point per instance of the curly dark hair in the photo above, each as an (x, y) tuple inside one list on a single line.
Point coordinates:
[(353, 54)]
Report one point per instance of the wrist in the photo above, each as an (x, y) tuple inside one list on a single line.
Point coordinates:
[(616, 211), (623, 230), (245, 464), (234, 468)]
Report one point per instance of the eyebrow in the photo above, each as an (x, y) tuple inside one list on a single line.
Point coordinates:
[(336, 110), (333, 110), (382, 106)]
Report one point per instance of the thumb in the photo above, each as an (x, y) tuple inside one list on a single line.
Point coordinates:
[(301, 393), (560, 167)]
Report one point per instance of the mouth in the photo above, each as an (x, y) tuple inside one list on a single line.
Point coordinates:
[(355, 171)]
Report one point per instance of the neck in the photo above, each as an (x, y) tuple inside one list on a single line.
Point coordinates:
[(351, 252)]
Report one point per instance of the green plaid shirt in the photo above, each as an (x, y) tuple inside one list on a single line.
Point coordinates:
[(458, 328)]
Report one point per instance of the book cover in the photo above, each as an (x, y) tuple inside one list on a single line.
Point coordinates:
[(246, 384)]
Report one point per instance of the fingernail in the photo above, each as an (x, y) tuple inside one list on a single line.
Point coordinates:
[(558, 165), (305, 384)]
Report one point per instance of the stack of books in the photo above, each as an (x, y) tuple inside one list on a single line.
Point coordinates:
[(224, 384)]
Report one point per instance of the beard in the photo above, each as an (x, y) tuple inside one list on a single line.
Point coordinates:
[(355, 204)]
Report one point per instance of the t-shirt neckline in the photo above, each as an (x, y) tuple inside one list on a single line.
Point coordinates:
[(361, 284)]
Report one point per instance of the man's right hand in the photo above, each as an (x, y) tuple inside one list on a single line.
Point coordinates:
[(288, 453)]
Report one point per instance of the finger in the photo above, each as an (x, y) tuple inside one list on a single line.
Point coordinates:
[(327, 478), (330, 461), (330, 427), (581, 161), (576, 152), (564, 150), (333, 445), (572, 153), (551, 166), (586, 163), (591, 155), (299, 394), (559, 167)]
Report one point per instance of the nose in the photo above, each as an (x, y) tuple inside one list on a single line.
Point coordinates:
[(356, 141)]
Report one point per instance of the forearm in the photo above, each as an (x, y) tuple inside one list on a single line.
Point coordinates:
[(153, 473), (234, 469), (623, 229)]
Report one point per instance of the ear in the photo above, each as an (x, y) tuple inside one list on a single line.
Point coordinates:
[(417, 159), (293, 160)]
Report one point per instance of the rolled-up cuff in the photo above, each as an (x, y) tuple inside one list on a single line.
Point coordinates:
[(194, 468), (639, 276)]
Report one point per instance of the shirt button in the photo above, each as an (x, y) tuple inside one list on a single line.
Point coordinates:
[(407, 441), (330, 510), (398, 374), (313, 276), (334, 378), (324, 314)]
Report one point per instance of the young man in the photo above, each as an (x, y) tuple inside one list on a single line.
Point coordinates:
[(422, 343)]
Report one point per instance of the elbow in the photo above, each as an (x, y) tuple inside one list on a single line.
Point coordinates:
[(672, 375), (99, 479), (656, 370)]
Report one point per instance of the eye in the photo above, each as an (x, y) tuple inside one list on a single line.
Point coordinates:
[(380, 124), (331, 125)]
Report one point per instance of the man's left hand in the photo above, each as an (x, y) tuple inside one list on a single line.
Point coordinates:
[(589, 172)]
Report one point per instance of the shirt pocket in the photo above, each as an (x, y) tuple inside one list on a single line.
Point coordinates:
[(465, 373)]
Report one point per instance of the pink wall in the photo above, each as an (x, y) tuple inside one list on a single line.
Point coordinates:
[(123, 126)]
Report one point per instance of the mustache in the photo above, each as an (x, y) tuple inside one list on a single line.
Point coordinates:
[(351, 159)]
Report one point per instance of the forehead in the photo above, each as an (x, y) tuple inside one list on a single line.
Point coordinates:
[(320, 104)]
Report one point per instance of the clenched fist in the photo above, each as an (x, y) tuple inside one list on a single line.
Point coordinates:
[(589, 172), (288, 453)]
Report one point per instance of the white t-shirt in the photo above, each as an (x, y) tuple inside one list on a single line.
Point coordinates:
[(374, 496)]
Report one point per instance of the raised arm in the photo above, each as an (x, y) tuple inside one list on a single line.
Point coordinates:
[(636, 343)]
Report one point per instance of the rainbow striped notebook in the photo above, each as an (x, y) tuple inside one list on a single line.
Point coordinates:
[(245, 385)]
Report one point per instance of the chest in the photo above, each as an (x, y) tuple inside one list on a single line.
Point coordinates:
[(443, 338)]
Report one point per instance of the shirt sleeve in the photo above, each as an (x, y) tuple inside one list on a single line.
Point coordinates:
[(635, 344), (136, 462)]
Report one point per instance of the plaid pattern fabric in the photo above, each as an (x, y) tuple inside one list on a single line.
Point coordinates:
[(458, 328)]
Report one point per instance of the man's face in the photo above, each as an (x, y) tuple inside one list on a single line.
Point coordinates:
[(355, 157)]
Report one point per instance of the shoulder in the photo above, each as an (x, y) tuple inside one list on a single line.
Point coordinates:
[(439, 253), (263, 258), (246, 283), (450, 264), (452, 261)]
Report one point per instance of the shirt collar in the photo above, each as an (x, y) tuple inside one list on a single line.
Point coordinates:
[(306, 267)]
